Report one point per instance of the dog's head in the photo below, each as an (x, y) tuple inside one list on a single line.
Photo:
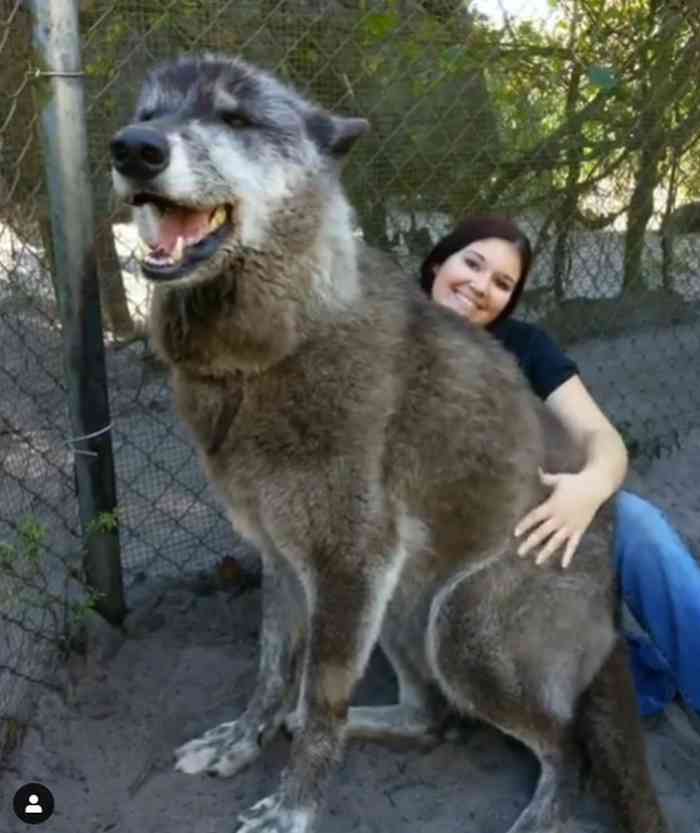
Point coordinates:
[(215, 149)]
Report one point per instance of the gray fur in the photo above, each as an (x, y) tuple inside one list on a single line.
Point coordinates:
[(379, 452)]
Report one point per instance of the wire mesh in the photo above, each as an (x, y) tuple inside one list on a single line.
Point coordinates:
[(38, 519), (580, 118)]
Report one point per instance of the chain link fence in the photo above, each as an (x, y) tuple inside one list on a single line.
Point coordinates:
[(38, 519), (581, 119)]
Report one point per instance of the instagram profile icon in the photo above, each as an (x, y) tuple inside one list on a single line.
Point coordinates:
[(33, 803)]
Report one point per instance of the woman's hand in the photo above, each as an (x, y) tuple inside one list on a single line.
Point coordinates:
[(562, 519)]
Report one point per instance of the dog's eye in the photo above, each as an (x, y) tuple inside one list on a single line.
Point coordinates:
[(234, 118), (147, 115)]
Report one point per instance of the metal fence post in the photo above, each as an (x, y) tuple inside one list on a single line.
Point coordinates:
[(64, 143)]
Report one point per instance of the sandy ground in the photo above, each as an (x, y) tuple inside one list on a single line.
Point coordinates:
[(188, 663)]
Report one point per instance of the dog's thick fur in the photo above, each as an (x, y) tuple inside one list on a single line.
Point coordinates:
[(379, 452)]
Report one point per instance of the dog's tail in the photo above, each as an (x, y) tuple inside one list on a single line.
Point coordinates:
[(611, 733)]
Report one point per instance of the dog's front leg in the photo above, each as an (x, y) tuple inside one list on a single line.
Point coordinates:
[(229, 747), (344, 625)]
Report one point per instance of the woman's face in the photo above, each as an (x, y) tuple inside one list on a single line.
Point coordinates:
[(478, 281)]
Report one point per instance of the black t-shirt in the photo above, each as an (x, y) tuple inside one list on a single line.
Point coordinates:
[(541, 360)]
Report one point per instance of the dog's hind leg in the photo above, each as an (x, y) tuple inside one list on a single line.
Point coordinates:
[(420, 714), (400, 722), (509, 674), (611, 732), (554, 744), (230, 747), (421, 711)]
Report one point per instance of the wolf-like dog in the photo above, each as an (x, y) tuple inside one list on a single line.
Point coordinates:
[(378, 451)]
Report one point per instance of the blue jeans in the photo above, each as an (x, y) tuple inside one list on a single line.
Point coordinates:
[(660, 582)]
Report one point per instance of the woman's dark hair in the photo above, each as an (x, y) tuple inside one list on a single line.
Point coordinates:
[(479, 228)]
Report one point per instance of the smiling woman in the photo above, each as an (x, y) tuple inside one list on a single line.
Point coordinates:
[(479, 272), (469, 283), (459, 268)]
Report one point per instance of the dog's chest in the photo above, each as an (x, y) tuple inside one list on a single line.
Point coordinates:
[(251, 433), (209, 407)]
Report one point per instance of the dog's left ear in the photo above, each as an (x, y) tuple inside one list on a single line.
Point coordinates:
[(335, 134)]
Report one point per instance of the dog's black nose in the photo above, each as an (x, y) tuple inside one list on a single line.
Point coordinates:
[(140, 152)]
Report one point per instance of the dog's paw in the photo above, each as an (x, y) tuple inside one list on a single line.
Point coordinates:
[(269, 816), (224, 750)]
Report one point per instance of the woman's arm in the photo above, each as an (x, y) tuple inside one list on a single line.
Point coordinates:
[(563, 518), (606, 455)]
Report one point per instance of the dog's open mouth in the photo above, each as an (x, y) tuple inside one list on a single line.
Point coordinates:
[(180, 237)]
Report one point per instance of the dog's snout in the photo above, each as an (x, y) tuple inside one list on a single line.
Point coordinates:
[(140, 152)]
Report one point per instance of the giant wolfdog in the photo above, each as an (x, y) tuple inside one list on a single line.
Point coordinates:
[(379, 453)]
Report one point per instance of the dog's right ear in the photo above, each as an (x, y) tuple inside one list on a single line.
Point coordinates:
[(335, 134)]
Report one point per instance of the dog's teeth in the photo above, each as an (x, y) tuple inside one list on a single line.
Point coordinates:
[(179, 249), (159, 260), (218, 218)]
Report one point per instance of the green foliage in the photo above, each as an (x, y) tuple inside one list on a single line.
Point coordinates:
[(25, 589), (22, 560), (603, 99), (602, 77), (378, 26), (31, 537), (105, 522), (465, 114)]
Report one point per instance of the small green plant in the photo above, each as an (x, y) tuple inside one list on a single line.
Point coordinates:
[(104, 522), (21, 560), (11, 733), (30, 539), (26, 589)]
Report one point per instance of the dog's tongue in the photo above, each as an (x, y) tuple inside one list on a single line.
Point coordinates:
[(192, 226)]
